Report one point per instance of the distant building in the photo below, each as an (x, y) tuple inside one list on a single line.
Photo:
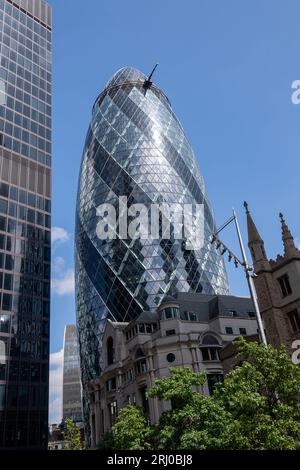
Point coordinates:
[(277, 285), (56, 438), (71, 403), (186, 331)]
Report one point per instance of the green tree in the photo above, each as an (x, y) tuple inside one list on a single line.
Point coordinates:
[(107, 441), (131, 430), (195, 420), (262, 397), (72, 436)]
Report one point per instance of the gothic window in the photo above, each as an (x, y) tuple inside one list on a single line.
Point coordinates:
[(285, 285), (295, 320)]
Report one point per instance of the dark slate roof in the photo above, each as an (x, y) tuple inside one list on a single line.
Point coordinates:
[(168, 298), (226, 303), (198, 303), (206, 307), (210, 306), (147, 317)]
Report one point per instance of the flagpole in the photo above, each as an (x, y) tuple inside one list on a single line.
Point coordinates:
[(250, 282)]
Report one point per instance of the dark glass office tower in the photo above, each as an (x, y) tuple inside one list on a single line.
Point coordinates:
[(72, 406), (25, 206), (135, 147)]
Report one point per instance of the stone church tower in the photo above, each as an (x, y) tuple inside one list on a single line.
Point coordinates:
[(278, 285)]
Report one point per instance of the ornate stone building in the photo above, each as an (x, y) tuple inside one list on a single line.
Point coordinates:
[(187, 331), (278, 285)]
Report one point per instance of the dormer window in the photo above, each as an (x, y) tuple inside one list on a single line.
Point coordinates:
[(170, 312), (189, 316), (192, 316), (285, 285), (232, 313)]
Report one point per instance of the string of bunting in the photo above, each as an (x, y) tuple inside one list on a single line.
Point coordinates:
[(224, 249)]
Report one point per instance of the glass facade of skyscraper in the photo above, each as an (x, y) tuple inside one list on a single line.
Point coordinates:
[(136, 147), (72, 407), (25, 221)]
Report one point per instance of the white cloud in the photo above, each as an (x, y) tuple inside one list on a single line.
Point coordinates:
[(56, 358), (55, 387), (59, 235), (65, 284), (58, 265)]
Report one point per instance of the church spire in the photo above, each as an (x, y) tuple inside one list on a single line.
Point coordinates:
[(253, 235), (255, 242), (287, 238)]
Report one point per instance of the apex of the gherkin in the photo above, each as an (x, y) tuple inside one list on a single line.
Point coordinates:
[(126, 74)]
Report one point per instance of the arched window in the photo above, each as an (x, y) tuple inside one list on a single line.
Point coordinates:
[(110, 351), (210, 346), (210, 340)]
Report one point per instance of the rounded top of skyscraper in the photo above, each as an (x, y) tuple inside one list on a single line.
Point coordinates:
[(126, 74), (129, 76)]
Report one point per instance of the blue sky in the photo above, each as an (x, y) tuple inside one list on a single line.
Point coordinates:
[(227, 67)]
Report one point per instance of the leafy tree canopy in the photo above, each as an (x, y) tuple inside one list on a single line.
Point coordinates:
[(72, 437)]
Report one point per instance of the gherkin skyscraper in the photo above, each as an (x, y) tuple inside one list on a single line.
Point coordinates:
[(135, 147)]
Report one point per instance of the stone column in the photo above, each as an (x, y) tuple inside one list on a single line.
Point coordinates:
[(92, 419), (97, 415), (153, 403)]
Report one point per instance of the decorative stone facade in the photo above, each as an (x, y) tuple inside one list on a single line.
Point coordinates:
[(187, 331)]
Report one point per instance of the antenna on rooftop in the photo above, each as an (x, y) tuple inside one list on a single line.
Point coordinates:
[(147, 83)]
